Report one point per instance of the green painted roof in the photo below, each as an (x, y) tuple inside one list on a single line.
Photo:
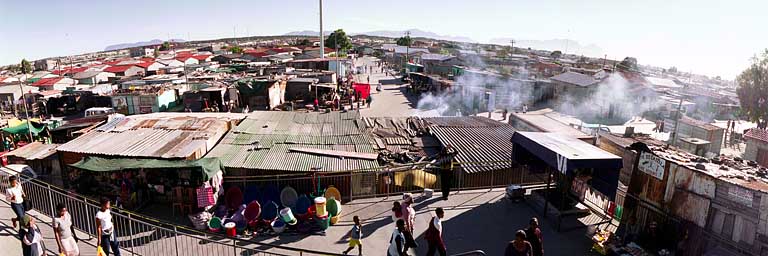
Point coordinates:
[(207, 166)]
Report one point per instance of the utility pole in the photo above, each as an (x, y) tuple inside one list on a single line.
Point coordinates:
[(322, 43), (26, 111), (512, 47), (407, 50)]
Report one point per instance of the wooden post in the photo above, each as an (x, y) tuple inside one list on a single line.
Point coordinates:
[(546, 192)]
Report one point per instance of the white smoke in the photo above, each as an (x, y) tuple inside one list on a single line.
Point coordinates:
[(613, 101)]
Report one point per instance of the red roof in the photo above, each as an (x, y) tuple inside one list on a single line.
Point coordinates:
[(145, 59), (47, 81), (145, 64), (257, 54), (69, 70), (255, 50), (757, 134), (118, 69), (201, 56)]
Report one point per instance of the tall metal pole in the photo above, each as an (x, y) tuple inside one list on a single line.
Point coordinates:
[(24, 103), (322, 43), (407, 50)]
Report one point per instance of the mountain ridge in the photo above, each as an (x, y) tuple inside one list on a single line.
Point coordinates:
[(139, 44)]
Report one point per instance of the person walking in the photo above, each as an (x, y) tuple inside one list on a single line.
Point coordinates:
[(397, 211), (63, 230), (434, 234), (105, 229), (533, 236), (409, 214), (15, 195), (397, 241), (518, 247), (355, 237), (33, 238), (26, 250)]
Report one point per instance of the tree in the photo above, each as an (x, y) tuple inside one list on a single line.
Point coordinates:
[(753, 90), (156, 53), (628, 64), (25, 66), (235, 49), (405, 41), (556, 54), (672, 70), (338, 39), (305, 42), (165, 46)]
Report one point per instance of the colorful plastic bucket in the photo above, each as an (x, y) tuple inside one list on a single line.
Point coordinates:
[(214, 225), (323, 222), (287, 216), (231, 229), (320, 209)]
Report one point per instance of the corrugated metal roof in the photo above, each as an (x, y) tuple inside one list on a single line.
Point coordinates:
[(35, 150), (262, 140), (151, 136), (478, 144)]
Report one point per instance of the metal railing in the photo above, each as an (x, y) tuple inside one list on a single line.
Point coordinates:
[(142, 235)]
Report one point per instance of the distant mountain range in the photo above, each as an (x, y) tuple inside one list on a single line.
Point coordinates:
[(392, 34), (565, 45), (138, 44)]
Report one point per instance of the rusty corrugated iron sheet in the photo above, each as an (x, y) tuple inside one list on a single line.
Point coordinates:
[(691, 207)]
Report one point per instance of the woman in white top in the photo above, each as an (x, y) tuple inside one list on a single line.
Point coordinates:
[(62, 229), (105, 229), (34, 239), (15, 195)]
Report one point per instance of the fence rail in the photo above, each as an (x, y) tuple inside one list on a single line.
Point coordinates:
[(142, 235)]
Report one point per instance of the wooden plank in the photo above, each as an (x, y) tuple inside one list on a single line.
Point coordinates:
[(336, 153)]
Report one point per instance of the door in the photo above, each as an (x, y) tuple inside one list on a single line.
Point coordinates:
[(762, 157)]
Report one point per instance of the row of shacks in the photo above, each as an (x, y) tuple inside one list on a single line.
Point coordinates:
[(715, 206)]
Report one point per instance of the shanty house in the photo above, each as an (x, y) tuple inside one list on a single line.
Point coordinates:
[(55, 83), (708, 138), (262, 94), (126, 70), (574, 84), (41, 157), (757, 146), (92, 77)]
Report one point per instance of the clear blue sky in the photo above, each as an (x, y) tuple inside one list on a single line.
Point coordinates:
[(709, 37)]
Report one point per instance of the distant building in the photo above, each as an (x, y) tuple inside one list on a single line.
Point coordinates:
[(142, 51), (92, 77), (126, 70), (55, 83), (709, 138), (45, 64)]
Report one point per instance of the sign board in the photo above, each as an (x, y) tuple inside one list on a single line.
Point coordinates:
[(562, 164), (652, 165), (741, 195)]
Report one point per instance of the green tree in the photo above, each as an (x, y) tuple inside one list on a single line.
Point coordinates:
[(235, 49), (25, 66), (165, 46), (156, 53), (405, 41), (13, 68), (628, 64), (753, 90), (338, 39), (304, 42), (556, 54)]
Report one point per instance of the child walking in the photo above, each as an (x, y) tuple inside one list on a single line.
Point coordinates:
[(355, 235)]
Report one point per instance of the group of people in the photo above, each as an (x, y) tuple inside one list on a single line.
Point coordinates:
[(528, 242), (64, 231)]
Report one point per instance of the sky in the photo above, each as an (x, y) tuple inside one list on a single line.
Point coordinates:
[(712, 37)]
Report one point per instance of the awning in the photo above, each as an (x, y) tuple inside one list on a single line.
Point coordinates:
[(207, 166), (23, 129), (566, 154)]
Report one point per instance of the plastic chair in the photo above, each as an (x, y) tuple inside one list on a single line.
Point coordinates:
[(233, 197), (288, 197)]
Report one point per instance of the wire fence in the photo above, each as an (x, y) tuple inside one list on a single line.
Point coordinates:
[(141, 235)]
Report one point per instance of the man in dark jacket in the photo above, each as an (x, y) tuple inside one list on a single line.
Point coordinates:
[(533, 236)]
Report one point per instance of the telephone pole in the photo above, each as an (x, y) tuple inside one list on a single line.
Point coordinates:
[(322, 43)]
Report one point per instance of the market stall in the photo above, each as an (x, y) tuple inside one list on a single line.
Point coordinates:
[(135, 182)]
